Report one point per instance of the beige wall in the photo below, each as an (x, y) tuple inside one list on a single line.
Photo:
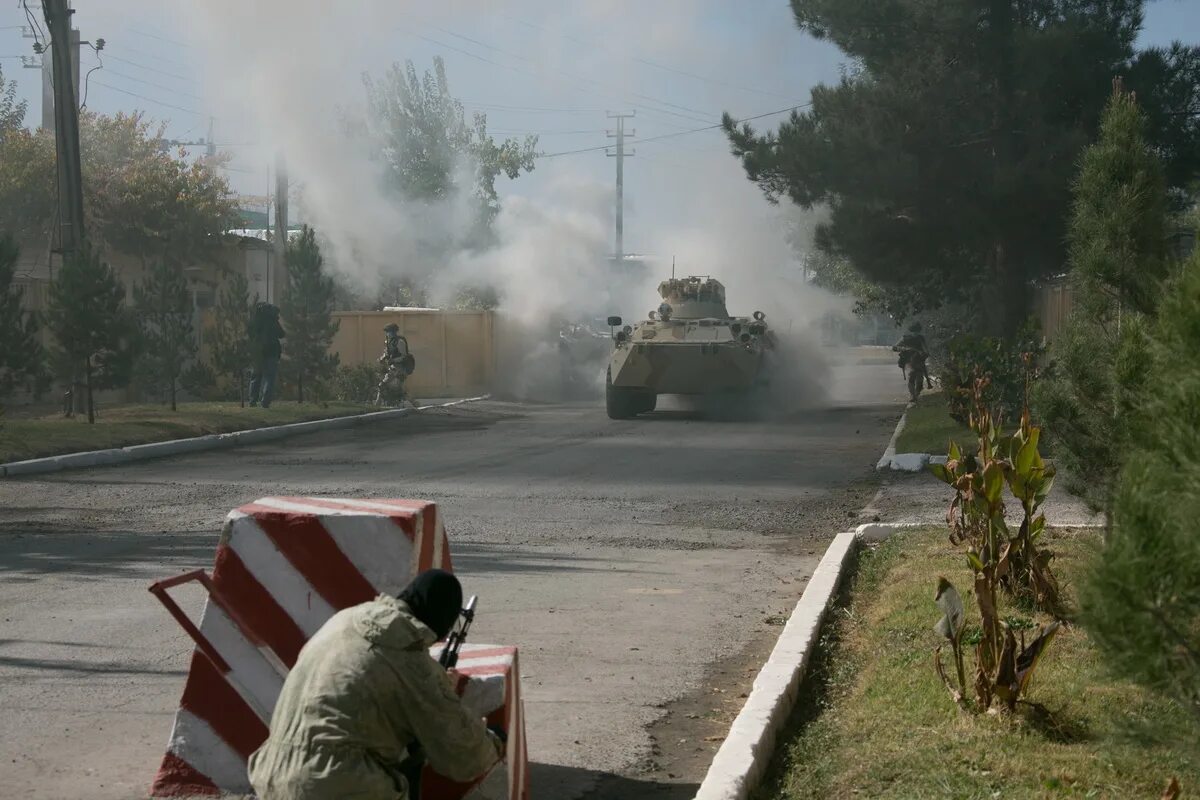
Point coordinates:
[(453, 349), (1052, 304)]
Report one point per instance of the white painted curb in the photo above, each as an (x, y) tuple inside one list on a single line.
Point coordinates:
[(744, 755), (889, 453), (740, 763), (140, 452)]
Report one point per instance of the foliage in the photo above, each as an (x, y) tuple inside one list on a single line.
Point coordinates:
[(199, 380), (1141, 601), (139, 198), (22, 359), (228, 335), (12, 111), (431, 151), (1001, 360), (476, 298), (1118, 258), (997, 558), (945, 155), (355, 384), (92, 329), (306, 313), (168, 340)]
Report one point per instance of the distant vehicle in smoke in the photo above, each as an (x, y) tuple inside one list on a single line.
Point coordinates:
[(690, 345)]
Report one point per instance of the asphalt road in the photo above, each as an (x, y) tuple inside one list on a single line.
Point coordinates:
[(633, 562)]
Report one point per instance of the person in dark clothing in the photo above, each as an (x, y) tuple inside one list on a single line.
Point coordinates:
[(911, 346), (265, 333)]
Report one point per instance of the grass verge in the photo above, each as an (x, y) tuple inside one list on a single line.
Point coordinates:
[(930, 428), (877, 722), (24, 437)]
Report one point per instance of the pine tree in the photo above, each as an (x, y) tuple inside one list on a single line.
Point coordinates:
[(86, 314), (306, 312), (168, 340), (1141, 600), (22, 359), (1118, 258), (228, 337)]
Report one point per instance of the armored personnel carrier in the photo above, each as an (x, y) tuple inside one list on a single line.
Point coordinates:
[(689, 345)]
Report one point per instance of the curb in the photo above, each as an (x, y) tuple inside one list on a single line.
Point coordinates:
[(905, 462), (889, 453), (742, 759), (214, 441)]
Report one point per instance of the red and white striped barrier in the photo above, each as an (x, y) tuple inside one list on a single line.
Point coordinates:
[(284, 566)]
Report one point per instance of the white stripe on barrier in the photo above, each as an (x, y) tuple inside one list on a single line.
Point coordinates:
[(293, 507), (377, 548), (390, 507), (194, 741), (251, 670), (271, 568)]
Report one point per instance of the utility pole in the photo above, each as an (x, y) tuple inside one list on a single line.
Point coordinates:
[(281, 214), (64, 43), (619, 135)]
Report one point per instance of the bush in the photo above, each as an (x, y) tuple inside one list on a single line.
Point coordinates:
[(200, 380), (355, 384), (1002, 361)]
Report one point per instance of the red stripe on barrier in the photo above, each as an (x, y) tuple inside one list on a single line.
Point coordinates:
[(428, 531), (489, 652), (177, 778), (210, 697), (305, 543), (256, 607)]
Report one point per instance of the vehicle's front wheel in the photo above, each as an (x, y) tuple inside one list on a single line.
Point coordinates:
[(620, 403)]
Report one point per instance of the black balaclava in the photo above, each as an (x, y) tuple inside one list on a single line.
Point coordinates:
[(435, 598)]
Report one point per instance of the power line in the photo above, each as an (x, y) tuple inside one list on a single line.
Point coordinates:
[(647, 62), (155, 70), (673, 135), (155, 85), (149, 35), (151, 99)]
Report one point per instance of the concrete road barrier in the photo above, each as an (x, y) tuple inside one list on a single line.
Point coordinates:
[(174, 447), (283, 567)]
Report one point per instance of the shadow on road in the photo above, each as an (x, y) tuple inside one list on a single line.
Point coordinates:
[(27, 555), (549, 781), (476, 558)]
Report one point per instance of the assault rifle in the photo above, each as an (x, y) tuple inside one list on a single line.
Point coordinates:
[(454, 642)]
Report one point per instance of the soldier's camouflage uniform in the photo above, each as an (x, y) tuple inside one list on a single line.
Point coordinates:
[(362, 689)]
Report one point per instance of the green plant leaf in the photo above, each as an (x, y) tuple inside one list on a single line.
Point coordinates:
[(973, 561), (993, 481), (1028, 658), (953, 453), (1026, 456), (941, 472)]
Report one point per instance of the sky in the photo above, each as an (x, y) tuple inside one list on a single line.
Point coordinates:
[(547, 67)]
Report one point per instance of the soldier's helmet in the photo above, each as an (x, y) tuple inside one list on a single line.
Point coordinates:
[(392, 328)]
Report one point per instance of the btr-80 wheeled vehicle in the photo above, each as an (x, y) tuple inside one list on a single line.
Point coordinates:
[(688, 346)]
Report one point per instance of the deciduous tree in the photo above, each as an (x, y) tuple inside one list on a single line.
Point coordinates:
[(22, 359)]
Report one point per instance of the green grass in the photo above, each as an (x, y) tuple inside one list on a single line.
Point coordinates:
[(31, 436), (929, 428), (877, 721)]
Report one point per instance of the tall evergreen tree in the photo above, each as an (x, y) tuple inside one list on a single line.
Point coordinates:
[(946, 154), (306, 313), (1118, 257), (228, 335), (1141, 600), (93, 330), (22, 359), (168, 340)]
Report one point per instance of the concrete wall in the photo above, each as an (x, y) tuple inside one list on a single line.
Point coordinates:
[(454, 349)]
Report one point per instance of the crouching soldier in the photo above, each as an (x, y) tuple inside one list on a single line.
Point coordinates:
[(363, 689), (399, 364)]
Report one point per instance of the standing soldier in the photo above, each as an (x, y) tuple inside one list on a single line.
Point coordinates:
[(265, 333), (399, 365)]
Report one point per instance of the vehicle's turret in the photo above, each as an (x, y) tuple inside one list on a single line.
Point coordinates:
[(694, 297)]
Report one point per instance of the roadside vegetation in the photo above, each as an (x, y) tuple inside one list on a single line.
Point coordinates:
[(880, 723), (928, 428), (25, 435)]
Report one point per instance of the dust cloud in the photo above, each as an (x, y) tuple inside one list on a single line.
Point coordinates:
[(291, 69)]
